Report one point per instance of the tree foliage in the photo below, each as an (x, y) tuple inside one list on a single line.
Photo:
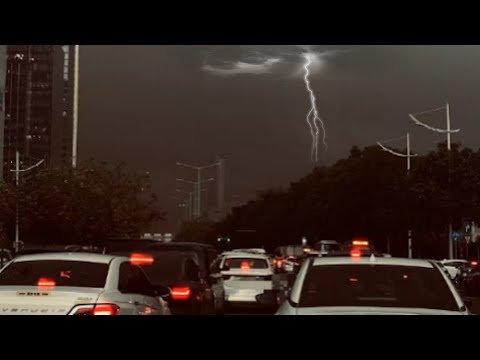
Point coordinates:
[(199, 231), (93, 202), (369, 194)]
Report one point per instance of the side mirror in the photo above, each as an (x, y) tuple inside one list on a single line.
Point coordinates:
[(162, 291), (268, 299)]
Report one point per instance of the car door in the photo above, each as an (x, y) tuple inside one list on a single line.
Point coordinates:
[(216, 279), (149, 304), (129, 300)]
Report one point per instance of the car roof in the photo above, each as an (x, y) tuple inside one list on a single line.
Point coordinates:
[(249, 255), (82, 257), (327, 242), (173, 244), (368, 261)]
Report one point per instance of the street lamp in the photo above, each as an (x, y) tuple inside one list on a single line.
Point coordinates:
[(408, 155), (449, 131), (197, 185), (17, 172), (189, 203), (199, 181)]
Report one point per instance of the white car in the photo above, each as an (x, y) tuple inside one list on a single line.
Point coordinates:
[(454, 266), (245, 275), (78, 284), (370, 286)]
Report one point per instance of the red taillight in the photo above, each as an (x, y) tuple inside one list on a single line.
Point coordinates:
[(141, 259), (474, 263), (106, 309), (45, 284), (180, 293), (360, 243), (100, 309), (355, 253), (245, 265)]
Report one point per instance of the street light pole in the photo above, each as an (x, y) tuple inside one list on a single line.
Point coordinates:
[(17, 171), (17, 212), (449, 132), (198, 191), (408, 155)]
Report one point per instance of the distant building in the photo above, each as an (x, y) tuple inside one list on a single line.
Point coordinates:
[(3, 73), (68, 101), (33, 105)]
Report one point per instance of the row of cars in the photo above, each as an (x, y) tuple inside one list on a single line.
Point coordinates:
[(128, 277), (124, 277)]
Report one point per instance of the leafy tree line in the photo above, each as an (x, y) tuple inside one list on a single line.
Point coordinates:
[(367, 194), (94, 202)]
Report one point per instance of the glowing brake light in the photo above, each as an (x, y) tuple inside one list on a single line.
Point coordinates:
[(141, 259), (180, 293), (100, 309), (355, 253), (474, 263), (45, 284), (360, 243), (107, 309), (245, 265)]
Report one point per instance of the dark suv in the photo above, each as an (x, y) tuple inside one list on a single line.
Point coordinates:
[(207, 260)]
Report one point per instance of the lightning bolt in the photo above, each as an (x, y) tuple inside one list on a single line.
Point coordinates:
[(313, 119)]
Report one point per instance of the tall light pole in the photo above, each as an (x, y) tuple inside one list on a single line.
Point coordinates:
[(189, 203), (197, 186), (408, 156), (17, 172), (447, 131), (221, 186), (198, 206)]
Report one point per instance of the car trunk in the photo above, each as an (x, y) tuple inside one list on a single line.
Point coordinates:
[(15, 300)]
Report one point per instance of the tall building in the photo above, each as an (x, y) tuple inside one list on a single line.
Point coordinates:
[(3, 72), (67, 128), (34, 105)]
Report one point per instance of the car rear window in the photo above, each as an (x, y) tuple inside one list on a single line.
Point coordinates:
[(200, 255), (171, 270), (376, 286), (246, 263), (63, 273)]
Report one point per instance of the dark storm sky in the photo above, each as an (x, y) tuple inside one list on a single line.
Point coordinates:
[(151, 106)]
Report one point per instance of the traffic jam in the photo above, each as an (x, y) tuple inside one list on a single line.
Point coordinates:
[(142, 277)]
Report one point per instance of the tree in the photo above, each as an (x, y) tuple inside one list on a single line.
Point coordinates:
[(84, 205), (369, 194), (200, 231)]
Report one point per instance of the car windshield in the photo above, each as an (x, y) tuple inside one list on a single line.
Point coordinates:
[(63, 273), (246, 263), (377, 286)]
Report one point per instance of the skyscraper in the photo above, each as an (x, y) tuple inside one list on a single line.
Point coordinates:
[(69, 100), (33, 105), (3, 72)]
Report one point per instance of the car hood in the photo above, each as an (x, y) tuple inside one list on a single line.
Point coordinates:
[(372, 311)]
